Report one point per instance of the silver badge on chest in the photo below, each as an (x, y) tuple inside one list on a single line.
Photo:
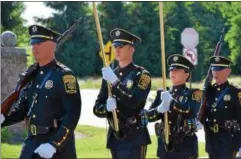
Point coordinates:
[(129, 84), (227, 97), (49, 84)]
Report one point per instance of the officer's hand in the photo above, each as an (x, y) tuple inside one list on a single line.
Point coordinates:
[(239, 152), (2, 118), (166, 97), (45, 150), (109, 75), (111, 104), (199, 125), (163, 107)]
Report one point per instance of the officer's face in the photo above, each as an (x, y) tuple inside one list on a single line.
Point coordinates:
[(221, 76), (178, 76), (123, 53), (43, 51)]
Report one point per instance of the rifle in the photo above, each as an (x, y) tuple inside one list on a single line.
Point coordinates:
[(67, 33), (25, 77), (208, 81)]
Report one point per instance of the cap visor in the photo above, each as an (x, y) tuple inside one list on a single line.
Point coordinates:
[(218, 68), (177, 67), (115, 44), (36, 41)]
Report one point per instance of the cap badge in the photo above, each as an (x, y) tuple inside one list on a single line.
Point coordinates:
[(117, 33), (217, 59), (34, 29), (175, 58)]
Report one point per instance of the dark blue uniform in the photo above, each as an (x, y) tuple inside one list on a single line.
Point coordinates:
[(130, 93), (222, 117), (222, 121), (50, 104), (182, 121)]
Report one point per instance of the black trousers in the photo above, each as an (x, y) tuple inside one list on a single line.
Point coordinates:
[(133, 153), (187, 149), (220, 146), (32, 142)]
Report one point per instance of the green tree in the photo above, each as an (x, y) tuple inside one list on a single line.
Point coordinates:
[(232, 13), (11, 20), (80, 52)]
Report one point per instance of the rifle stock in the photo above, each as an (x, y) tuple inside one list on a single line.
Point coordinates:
[(7, 103), (208, 81)]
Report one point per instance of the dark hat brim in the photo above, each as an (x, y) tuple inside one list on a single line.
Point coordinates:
[(37, 41), (178, 67), (218, 68), (116, 44)]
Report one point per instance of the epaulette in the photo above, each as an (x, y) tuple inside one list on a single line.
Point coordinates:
[(63, 68), (233, 86)]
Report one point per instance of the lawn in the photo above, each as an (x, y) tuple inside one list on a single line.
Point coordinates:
[(92, 146)]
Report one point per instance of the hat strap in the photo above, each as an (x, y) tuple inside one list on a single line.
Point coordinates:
[(177, 64), (41, 36)]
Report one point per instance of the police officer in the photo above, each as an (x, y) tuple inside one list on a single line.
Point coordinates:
[(182, 105), (50, 102), (130, 85), (222, 116)]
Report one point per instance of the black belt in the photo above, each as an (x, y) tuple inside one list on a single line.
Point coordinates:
[(39, 130)]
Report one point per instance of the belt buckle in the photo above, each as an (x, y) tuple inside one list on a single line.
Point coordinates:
[(33, 130), (215, 128)]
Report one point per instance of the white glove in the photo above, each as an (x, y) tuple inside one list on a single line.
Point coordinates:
[(2, 118), (239, 153), (199, 126), (109, 75), (163, 107), (45, 150), (166, 97), (111, 104)]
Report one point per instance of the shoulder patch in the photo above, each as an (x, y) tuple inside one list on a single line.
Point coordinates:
[(239, 97), (144, 81), (70, 85), (197, 95)]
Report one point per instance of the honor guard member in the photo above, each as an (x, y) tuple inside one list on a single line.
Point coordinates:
[(130, 85), (50, 102), (222, 116), (182, 105)]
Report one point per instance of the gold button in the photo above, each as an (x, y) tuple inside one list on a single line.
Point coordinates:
[(64, 138), (34, 116), (218, 89), (170, 122), (58, 143), (215, 110), (214, 120)]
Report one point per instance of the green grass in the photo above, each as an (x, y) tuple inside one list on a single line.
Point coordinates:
[(95, 83), (92, 146)]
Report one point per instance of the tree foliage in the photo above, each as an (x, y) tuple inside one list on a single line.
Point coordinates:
[(81, 52), (11, 20)]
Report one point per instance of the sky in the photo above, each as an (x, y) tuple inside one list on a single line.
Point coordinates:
[(37, 9)]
